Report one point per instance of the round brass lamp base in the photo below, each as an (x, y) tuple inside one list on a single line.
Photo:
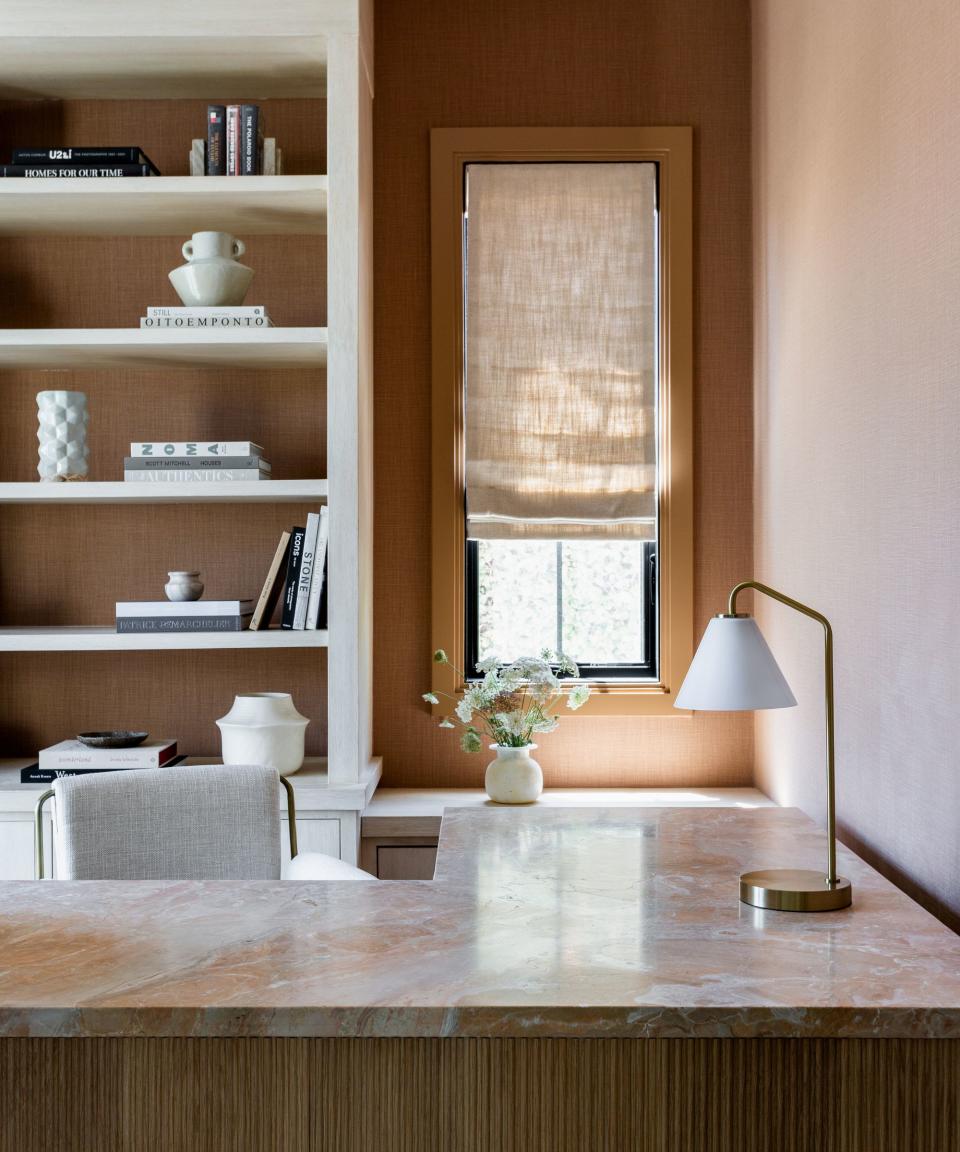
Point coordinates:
[(794, 890)]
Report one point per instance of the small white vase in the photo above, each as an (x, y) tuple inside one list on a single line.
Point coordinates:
[(212, 277), (62, 434), (514, 777), (183, 586), (264, 728)]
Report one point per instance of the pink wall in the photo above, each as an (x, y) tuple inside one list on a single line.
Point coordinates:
[(857, 415)]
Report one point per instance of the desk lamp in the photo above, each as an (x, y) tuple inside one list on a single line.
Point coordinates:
[(733, 670)]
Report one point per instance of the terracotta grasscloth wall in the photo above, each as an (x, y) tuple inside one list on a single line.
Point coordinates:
[(556, 63), (857, 209)]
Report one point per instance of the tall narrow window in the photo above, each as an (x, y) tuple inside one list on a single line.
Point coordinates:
[(562, 423), (560, 381)]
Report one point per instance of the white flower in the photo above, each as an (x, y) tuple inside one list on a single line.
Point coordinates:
[(446, 722), (547, 724), (430, 698), (489, 664), (470, 741), (578, 696), (465, 710)]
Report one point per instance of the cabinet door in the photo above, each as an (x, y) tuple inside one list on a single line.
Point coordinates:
[(16, 847), (314, 834), (406, 862)]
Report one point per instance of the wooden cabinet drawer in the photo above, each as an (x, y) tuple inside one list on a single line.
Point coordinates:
[(406, 861)]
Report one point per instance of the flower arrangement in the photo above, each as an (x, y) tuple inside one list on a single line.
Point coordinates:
[(513, 702)]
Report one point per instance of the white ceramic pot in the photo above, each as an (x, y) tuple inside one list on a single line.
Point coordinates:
[(212, 277), (514, 777), (62, 434), (183, 586), (264, 728)]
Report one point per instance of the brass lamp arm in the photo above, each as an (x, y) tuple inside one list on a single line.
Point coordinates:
[(828, 700)]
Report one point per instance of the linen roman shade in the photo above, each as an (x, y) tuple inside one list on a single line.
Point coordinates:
[(560, 351)]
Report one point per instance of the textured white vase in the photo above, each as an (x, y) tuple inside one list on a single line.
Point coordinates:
[(264, 728), (514, 777), (183, 586), (62, 434), (212, 277)]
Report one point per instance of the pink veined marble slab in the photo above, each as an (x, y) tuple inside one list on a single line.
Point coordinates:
[(540, 922)]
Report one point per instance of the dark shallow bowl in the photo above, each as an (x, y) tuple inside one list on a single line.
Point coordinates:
[(112, 739)]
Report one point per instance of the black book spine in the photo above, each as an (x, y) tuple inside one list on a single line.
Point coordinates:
[(75, 171), (37, 775), (249, 134), (216, 140), (293, 573), (126, 155)]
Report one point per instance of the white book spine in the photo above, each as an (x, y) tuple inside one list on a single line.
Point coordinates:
[(316, 581), (217, 321), (73, 754), (305, 574), (210, 310), (183, 608), (160, 448), (193, 476)]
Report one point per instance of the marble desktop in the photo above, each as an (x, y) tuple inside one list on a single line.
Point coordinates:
[(539, 922)]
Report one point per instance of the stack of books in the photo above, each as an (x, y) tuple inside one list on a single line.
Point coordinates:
[(234, 140), (226, 316), (202, 461), (296, 577), (71, 758), (142, 616), (78, 163)]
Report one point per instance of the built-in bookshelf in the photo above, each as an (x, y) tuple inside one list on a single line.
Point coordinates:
[(164, 206), (319, 50)]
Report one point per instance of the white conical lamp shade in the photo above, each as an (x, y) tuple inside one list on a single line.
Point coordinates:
[(733, 670)]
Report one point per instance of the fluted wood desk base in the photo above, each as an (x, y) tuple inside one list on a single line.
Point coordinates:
[(467, 1095)]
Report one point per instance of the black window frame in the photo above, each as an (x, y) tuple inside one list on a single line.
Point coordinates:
[(649, 670)]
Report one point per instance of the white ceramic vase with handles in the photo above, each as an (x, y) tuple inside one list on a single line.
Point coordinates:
[(264, 728), (212, 277), (514, 777)]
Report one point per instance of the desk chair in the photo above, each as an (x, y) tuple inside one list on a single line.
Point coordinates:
[(211, 822)]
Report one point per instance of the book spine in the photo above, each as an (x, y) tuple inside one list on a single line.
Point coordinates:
[(205, 322), (184, 474), (51, 758), (37, 775), (190, 448), (199, 463), (224, 310), (233, 139), (306, 571), (125, 155), (181, 623), (187, 608), (79, 172), (272, 586), (293, 572), (216, 140), (319, 570), (249, 137)]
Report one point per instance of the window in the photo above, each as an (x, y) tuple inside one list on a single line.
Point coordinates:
[(561, 503)]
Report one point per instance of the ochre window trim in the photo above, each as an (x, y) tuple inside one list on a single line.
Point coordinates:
[(452, 149)]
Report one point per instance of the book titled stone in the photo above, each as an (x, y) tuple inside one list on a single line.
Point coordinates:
[(196, 463), (73, 754), (306, 570), (195, 476), (190, 448), (319, 570)]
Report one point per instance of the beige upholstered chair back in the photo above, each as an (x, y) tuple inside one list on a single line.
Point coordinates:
[(198, 823)]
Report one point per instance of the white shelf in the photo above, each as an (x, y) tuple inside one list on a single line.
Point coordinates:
[(166, 492), (164, 206), (83, 348), (106, 639)]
